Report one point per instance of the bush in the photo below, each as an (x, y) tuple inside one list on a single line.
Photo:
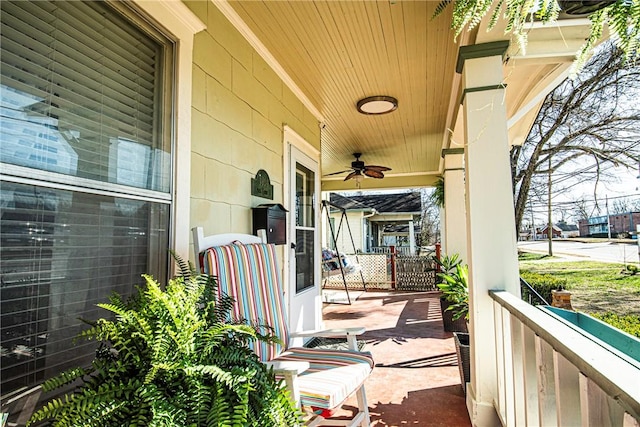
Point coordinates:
[(543, 284), (627, 323)]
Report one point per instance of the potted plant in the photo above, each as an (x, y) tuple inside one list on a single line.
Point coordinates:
[(170, 357), (452, 294), (455, 290)]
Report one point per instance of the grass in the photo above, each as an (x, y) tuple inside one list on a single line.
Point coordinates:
[(530, 256), (596, 287)]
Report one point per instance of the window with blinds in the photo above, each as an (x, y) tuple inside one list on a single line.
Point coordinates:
[(85, 174)]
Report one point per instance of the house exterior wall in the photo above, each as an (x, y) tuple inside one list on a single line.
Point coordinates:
[(624, 223), (239, 108), (620, 224), (344, 240)]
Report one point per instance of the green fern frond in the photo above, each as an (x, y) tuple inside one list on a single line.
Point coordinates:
[(597, 25), (216, 373), (495, 15), (52, 409), (118, 310), (441, 7), (64, 378), (241, 410), (185, 267), (219, 414)]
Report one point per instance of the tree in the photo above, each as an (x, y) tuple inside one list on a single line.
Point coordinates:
[(581, 209), (430, 219), (584, 129), (620, 206)]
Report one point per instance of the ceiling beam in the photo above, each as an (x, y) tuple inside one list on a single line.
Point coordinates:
[(388, 182)]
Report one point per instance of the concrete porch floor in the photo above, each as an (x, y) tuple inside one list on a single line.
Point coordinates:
[(415, 381)]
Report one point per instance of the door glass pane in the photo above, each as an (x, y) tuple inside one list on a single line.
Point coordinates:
[(304, 259), (305, 221), (305, 211)]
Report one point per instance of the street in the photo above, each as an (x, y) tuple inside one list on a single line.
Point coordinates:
[(601, 251)]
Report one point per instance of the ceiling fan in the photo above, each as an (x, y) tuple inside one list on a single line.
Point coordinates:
[(358, 169)]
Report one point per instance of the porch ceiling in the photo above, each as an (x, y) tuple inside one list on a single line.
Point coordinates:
[(338, 52)]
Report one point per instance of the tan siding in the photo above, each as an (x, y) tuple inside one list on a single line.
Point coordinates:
[(239, 108), (344, 241)]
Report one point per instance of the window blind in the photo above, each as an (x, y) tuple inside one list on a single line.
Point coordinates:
[(76, 83), (82, 91)]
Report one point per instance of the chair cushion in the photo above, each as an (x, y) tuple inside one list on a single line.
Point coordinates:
[(332, 375), (251, 276)]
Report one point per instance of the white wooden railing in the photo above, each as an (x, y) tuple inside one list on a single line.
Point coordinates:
[(552, 375)]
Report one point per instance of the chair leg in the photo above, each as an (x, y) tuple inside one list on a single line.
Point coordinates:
[(362, 405)]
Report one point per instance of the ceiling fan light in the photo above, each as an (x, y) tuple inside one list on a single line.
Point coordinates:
[(358, 178), (377, 105)]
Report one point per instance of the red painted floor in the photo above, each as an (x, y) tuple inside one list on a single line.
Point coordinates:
[(416, 381)]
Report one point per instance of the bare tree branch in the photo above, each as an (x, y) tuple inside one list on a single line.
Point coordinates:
[(586, 126)]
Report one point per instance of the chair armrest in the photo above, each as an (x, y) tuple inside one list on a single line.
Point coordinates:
[(349, 333), (290, 371), (337, 332), (288, 367)]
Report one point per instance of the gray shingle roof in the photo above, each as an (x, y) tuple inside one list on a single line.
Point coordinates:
[(383, 203)]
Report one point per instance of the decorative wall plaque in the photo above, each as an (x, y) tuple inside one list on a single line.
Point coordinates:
[(261, 185)]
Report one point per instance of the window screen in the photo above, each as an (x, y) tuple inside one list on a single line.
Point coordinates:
[(85, 175)]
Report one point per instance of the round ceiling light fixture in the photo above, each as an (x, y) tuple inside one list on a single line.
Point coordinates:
[(377, 104)]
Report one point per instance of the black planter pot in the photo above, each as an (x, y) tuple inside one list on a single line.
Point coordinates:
[(464, 358), (450, 325)]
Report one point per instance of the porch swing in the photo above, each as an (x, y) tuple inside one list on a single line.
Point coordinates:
[(333, 262)]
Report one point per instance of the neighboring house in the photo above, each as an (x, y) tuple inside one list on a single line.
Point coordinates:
[(622, 225), (567, 230), (377, 220), (543, 233)]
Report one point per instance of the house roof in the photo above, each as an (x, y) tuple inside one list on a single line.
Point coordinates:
[(566, 227), (382, 203)]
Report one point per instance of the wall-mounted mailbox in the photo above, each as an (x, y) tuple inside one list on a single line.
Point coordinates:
[(273, 218)]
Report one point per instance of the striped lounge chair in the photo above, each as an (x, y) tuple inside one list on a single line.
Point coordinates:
[(247, 270)]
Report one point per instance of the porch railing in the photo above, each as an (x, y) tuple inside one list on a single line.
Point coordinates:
[(552, 375), (400, 250)]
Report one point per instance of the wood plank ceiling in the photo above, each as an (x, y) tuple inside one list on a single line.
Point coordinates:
[(338, 52)]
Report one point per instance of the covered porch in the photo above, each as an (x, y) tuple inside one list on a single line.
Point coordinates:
[(276, 88)]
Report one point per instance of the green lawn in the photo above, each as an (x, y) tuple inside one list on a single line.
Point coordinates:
[(596, 287)]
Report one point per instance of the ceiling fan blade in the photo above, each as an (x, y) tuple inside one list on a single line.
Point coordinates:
[(373, 173), (377, 168), (337, 173), (352, 175)]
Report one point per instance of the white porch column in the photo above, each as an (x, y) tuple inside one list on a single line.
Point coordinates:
[(412, 238), (491, 245), (455, 230)]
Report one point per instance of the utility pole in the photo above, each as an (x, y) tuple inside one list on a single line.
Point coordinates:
[(550, 221), (533, 225), (606, 204)]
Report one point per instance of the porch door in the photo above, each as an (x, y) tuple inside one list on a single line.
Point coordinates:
[(304, 254)]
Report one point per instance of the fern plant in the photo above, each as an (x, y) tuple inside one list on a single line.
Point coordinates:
[(622, 17), (170, 358)]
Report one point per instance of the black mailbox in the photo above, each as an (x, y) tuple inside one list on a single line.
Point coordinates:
[(273, 218)]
